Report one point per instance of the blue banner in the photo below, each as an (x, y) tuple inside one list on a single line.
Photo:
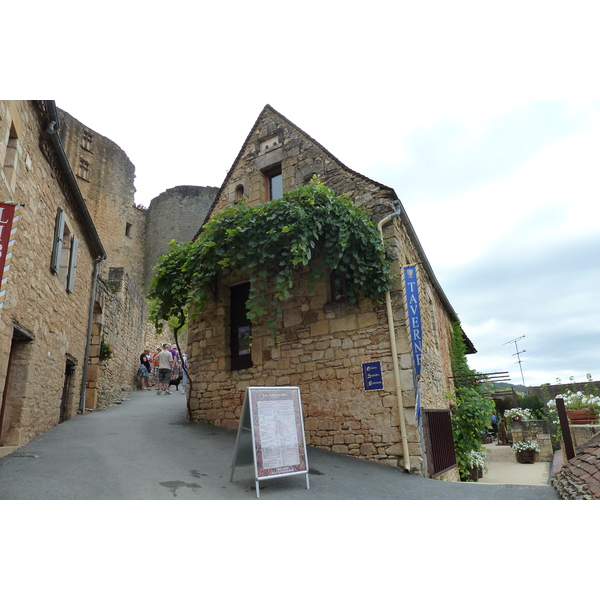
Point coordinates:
[(414, 327)]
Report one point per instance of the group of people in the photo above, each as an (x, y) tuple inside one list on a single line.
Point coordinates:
[(165, 366)]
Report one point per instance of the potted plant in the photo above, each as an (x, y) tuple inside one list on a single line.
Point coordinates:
[(518, 414), (476, 463), (106, 351), (581, 408), (526, 451)]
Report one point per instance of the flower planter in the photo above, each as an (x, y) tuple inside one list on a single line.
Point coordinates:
[(581, 417), (526, 456), (474, 473)]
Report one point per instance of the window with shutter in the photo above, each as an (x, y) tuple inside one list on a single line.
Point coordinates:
[(59, 228), (72, 264)]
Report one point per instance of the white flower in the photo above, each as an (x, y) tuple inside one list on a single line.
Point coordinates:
[(518, 446), (477, 459), (518, 413)]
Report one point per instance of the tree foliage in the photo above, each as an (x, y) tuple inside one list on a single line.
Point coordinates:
[(472, 411), (270, 242)]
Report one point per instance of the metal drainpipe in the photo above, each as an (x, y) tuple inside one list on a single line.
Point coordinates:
[(88, 342), (392, 329)]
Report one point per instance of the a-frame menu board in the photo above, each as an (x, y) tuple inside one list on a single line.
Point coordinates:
[(272, 426)]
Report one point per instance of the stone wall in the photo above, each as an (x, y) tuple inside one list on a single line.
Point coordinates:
[(176, 214), (534, 431), (108, 189), (43, 327), (121, 307)]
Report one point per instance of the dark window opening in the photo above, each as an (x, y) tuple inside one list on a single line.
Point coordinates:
[(241, 328), (339, 285), (274, 183), (239, 192), (128, 229)]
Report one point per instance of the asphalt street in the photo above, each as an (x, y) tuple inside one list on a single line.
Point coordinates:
[(146, 449)]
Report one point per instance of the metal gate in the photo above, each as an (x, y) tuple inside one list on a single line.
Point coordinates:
[(439, 443)]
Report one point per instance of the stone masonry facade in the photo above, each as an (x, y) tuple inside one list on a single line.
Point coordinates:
[(135, 238), (321, 344), (43, 325), (50, 336)]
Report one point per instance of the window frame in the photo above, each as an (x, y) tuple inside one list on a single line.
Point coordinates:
[(239, 325), (270, 174), (337, 277), (64, 268)]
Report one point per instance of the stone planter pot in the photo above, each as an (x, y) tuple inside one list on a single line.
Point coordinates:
[(480, 473), (526, 456), (474, 473), (581, 417)]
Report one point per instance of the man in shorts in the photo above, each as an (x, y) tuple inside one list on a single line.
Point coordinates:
[(165, 364)]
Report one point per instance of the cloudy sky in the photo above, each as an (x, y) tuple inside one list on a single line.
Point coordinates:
[(480, 115)]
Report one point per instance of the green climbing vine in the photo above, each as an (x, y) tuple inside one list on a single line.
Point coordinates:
[(472, 410), (270, 242)]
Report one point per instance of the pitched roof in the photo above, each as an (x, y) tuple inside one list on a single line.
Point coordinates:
[(403, 216), (579, 479)]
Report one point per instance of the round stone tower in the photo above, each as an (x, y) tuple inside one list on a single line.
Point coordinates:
[(176, 214)]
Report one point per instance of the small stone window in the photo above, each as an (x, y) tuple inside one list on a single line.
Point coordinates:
[(128, 229), (239, 192), (339, 285), (87, 141), (84, 169), (11, 159), (274, 181), (64, 252)]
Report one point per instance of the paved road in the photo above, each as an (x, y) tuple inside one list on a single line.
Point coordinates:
[(146, 449)]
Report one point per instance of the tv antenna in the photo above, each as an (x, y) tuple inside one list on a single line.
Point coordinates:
[(518, 353)]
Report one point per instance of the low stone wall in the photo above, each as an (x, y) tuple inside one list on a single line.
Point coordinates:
[(534, 431)]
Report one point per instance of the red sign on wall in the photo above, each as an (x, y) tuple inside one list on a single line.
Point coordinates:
[(7, 212)]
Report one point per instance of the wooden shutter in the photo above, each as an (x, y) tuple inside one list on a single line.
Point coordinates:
[(59, 228), (72, 264)]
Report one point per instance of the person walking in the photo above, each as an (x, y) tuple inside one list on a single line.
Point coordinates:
[(176, 370), (165, 364), (184, 369), (144, 370), (155, 364)]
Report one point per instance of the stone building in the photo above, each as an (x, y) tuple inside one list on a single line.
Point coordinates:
[(50, 265), (60, 302), (324, 340), (134, 238)]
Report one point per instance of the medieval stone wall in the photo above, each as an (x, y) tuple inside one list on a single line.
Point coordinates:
[(108, 189), (107, 184), (122, 307), (176, 214), (42, 324)]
